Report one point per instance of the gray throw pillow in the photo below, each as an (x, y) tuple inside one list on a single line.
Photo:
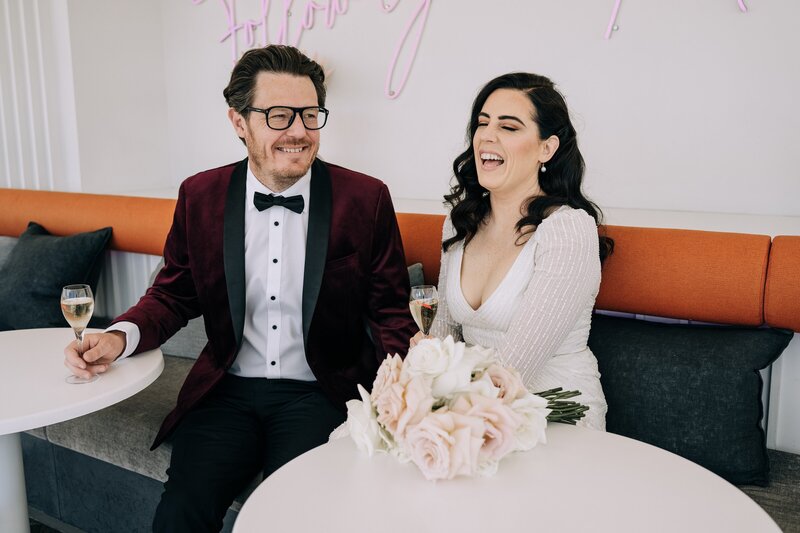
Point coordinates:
[(692, 390), (415, 274), (39, 266)]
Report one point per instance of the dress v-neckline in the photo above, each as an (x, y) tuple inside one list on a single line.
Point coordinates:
[(500, 285)]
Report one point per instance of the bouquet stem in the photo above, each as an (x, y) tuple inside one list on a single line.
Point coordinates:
[(561, 409)]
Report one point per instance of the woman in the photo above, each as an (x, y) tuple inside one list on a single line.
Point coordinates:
[(521, 255)]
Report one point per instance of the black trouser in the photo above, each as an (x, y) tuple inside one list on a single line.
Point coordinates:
[(243, 426)]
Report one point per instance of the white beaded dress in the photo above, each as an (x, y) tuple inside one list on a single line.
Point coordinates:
[(538, 318)]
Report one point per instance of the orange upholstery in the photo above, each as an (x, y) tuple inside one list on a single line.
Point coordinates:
[(422, 241), (140, 224), (782, 294), (696, 275)]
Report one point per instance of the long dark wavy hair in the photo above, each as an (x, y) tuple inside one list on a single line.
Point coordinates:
[(561, 183)]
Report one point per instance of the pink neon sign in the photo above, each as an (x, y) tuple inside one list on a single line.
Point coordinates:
[(612, 23), (329, 10)]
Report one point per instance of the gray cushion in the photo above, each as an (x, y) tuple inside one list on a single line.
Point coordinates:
[(123, 433), (38, 432), (189, 341), (782, 499), (692, 390), (39, 266)]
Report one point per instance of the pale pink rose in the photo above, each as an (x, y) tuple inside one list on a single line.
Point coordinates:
[(388, 374), (500, 424), (508, 381), (445, 444), (401, 405), (418, 403), (390, 404)]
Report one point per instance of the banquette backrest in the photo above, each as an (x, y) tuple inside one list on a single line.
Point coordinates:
[(728, 278)]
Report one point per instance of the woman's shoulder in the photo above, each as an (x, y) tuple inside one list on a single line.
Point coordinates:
[(567, 221), (448, 230)]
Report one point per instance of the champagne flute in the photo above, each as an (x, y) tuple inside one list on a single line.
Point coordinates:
[(423, 302), (77, 304)]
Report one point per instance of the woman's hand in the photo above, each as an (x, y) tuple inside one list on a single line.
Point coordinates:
[(418, 337)]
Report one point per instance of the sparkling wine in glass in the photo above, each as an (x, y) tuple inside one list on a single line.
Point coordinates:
[(77, 304), (423, 301)]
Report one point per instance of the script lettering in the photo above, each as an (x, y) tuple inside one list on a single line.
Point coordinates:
[(245, 32)]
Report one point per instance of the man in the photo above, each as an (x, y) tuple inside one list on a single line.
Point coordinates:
[(298, 270)]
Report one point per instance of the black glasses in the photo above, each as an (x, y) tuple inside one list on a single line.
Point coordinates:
[(281, 117)]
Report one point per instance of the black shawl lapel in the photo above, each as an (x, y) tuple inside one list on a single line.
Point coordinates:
[(233, 248), (319, 224)]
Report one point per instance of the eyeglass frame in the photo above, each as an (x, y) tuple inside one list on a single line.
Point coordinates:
[(295, 111)]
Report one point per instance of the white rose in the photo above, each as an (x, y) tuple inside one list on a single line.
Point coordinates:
[(428, 358), (484, 386), (463, 363), (363, 425), (534, 413), (481, 358)]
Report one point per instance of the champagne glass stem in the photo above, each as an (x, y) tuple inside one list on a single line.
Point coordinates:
[(79, 336)]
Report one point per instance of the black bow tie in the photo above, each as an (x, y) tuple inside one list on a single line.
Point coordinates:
[(265, 201)]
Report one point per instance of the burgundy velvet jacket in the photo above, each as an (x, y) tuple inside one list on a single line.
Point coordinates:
[(355, 289)]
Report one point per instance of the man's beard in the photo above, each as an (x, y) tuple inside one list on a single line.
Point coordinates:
[(281, 179), (284, 181)]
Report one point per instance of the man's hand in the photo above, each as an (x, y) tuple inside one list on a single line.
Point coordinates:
[(100, 350), (418, 337)]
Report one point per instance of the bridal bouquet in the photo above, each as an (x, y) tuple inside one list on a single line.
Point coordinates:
[(452, 410)]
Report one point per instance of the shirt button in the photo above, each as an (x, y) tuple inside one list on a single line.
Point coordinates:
[(277, 223), (274, 327), (272, 298), (272, 363), (274, 260)]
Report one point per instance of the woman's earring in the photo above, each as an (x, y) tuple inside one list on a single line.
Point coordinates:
[(544, 168)]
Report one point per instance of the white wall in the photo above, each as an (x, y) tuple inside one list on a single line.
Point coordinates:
[(120, 94), (783, 429), (689, 106)]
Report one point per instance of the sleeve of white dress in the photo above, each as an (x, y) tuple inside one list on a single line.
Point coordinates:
[(564, 284), (443, 324)]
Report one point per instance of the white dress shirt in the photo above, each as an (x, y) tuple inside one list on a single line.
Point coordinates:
[(275, 255)]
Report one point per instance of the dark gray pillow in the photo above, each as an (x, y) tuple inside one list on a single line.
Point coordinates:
[(415, 274), (39, 266), (692, 390)]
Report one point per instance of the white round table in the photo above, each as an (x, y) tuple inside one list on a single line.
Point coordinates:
[(581, 480), (33, 394)]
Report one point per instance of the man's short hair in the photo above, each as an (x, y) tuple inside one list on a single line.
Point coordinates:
[(276, 58)]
